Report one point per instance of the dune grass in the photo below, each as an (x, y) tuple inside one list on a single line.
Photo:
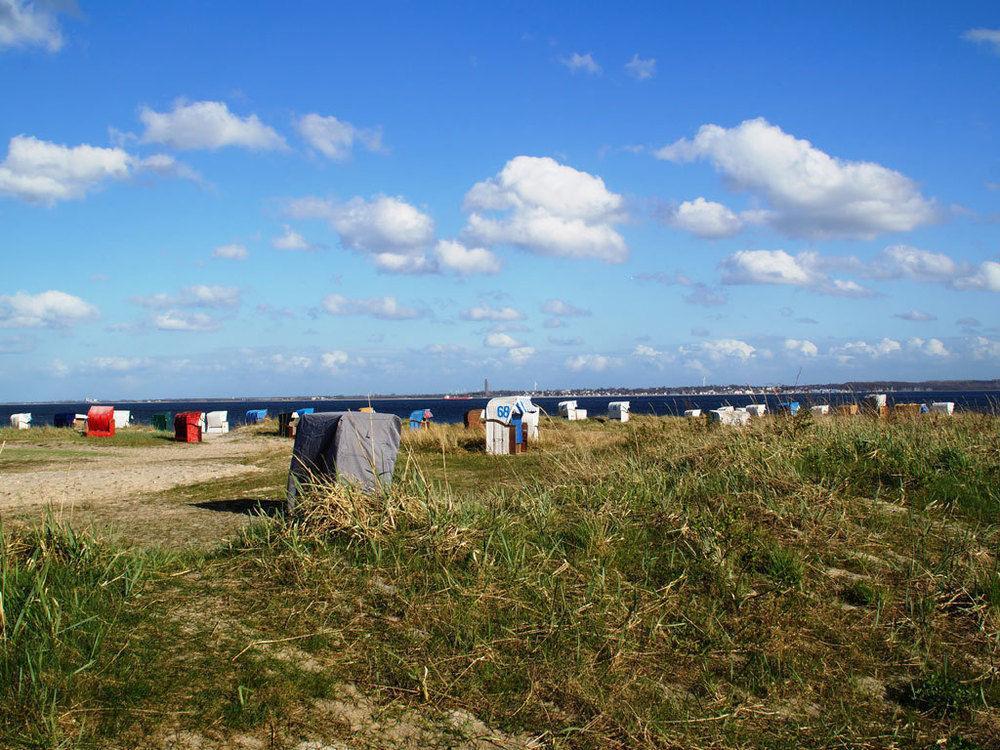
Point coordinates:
[(133, 436), (802, 583), (65, 603)]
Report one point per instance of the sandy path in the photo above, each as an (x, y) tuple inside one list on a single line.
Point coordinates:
[(119, 486)]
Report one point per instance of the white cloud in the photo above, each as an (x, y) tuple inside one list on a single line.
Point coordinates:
[(207, 125), (852, 350), (198, 295), (808, 192), (989, 37), (382, 224), (406, 263), (29, 24), (929, 347), (766, 267), (806, 269), (334, 360), (396, 235), (501, 341), (905, 262), (912, 263), (516, 352), (520, 354), (383, 308), (51, 309), (485, 312), (393, 232), (722, 349), (985, 278), (648, 354), (230, 252), (289, 239), (561, 308), (591, 362), (915, 316), (586, 63), (44, 172), (335, 138), (812, 270), (178, 320), (36, 170), (465, 261), (705, 219), (165, 165), (546, 207), (984, 348), (641, 69), (801, 346)]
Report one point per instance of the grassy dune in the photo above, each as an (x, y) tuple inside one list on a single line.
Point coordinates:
[(654, 584)]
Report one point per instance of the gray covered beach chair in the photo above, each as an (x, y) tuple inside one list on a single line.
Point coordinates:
[(357, 447)]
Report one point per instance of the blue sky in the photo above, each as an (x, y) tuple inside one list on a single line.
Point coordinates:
[(232, 199)]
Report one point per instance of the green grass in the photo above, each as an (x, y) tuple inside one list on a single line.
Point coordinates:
[(134, 436), (64, 604), (803, 583)]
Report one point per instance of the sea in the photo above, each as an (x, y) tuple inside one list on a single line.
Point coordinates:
[(454, 409)]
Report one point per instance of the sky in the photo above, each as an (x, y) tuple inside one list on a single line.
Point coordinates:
[(230, 199)]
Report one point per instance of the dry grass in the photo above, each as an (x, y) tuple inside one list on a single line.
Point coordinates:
[(801, 583)]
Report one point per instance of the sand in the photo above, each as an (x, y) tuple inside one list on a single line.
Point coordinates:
[(122, 488)]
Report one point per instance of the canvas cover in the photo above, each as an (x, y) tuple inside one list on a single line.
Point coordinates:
[(162, 420), (820, 410), (943, 407), (287, 422), (530, 421), (344, 445), (101, 421), (256, 416), (618, 411), (730, 417), (581, 414), (123, 417), (305, 410), (502, 413), (876, 400), (756, 410), (64, 419), (692, 413), (565, 407), (473, 419), (847, 410), (420, 418), (20, 421), (568, 410), (187, 427), (789, 407), (215, 422)]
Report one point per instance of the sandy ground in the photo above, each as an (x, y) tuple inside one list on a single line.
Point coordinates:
[(122, 488)]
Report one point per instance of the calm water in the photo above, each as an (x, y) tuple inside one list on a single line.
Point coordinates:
[(448, 410)]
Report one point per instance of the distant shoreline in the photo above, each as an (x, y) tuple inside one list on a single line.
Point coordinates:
[(958, 386)]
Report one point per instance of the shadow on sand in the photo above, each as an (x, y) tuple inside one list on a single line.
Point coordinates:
[(248, 506)]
